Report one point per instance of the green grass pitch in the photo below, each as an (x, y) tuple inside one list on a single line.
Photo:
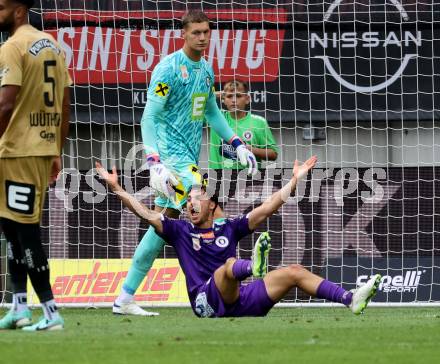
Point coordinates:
[(286, 335)]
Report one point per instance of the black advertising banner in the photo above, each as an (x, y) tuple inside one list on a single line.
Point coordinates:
[(368, 61), (403, 280), (306, 61)]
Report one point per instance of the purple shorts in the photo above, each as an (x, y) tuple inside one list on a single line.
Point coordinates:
[(253, 301)]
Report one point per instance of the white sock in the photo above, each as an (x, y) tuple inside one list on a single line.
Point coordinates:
[(124, 298), (50, 310), (19, 302)]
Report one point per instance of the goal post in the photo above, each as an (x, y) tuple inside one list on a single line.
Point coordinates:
[(356, 83)]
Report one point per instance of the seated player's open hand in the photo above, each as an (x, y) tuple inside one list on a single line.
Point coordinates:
[(110, 178), (300, 171)]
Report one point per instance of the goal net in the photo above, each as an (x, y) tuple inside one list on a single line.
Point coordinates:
[(356, 83)]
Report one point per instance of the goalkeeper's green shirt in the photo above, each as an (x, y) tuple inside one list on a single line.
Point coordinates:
[(252, 129)]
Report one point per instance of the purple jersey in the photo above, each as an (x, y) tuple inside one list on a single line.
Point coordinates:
[(202, 251)]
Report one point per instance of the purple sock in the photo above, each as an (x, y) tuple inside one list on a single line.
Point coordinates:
[(242, 269), (332, 292)]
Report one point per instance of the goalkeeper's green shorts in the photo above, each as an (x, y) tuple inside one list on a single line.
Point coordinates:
[(187, 176)]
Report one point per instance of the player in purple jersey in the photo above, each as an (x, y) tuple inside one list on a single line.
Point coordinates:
[(207, 255)]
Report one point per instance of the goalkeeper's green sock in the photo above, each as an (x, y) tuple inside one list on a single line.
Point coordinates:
[(143, 258)]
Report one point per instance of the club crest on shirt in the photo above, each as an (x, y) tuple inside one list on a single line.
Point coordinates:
[(184, 72), (196, 241), (247, 135), (222, 242), (161, 89)]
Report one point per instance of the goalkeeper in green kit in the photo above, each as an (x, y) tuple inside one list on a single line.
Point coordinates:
[(180, 97), (253, 129)]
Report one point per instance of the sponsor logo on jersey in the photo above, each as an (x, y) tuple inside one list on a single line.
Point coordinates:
[(161, 89), (408, 282), (222, 242), (20, 197), (44, 119), (208, 237), (48, 136), (198, 106), (41, 44)]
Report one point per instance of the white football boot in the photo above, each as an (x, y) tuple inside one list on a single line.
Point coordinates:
[(363, 294), (131, 308)]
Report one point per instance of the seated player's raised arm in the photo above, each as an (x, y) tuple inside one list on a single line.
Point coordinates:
[(141, 211), (274, 202)]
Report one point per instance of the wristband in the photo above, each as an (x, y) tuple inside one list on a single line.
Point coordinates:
[(235, 141)]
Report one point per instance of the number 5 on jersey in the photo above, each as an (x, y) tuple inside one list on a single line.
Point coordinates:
[(198, 106), (49, 99)]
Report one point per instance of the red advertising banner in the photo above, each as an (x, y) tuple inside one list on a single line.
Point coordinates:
[(111, 55)]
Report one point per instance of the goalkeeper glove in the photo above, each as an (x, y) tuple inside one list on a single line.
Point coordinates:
[(245, 156), (161, 178)]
